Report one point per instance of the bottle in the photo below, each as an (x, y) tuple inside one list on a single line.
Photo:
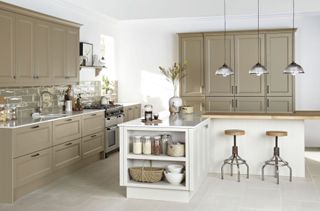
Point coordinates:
[(147, 145), (79, 106), (165, 138), (137, 145), (156, 146)]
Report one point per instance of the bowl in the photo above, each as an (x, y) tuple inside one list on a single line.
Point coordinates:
[(175, 168), (174, 178)]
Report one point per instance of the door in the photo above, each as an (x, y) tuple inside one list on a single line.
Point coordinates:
[(7, 34), (72, 55), (42, 52), (191, 52), (250, 104), (58, 46), (246, 56), (279, 104), (279, 50), (196, 102), (67, 154), (111, 138), (214, 59), (24, 49), (219, 104)]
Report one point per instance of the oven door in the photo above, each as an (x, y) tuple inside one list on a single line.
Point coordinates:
[(111, 138)]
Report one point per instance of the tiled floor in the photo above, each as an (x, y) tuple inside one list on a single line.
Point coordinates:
[(96, 188)]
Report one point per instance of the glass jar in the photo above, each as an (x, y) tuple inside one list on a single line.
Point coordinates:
[(147, 145), (156, 146), (2, 113), (165, 138), (137, 145), (148, 112)]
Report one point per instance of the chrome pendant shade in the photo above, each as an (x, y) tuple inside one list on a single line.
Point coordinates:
[(258, 69), (293, 68), (224, 70)]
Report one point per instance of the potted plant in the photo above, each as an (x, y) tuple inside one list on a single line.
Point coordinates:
[(107, 85), (174, 74)]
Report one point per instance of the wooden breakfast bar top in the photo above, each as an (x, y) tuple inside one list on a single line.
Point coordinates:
[(297, 115)]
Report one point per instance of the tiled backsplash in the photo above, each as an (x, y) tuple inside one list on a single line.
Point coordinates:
[(27, 99)]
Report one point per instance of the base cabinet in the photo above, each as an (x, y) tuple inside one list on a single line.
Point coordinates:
[(67, 154), (279, 104), (66, 130), (250, 104), (196, 102), (132, 112), (92, 144), (219, 104)]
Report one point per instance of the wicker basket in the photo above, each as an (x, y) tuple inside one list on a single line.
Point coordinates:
[(146, 174), (176, 150)]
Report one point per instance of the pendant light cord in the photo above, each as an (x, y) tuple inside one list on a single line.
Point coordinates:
[(259, 32), (225, 34), (293, 36)]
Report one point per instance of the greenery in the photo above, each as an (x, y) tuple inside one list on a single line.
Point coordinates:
[(174, 73), (106, 83)]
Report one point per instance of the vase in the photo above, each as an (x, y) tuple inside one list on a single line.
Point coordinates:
[(175, 102)]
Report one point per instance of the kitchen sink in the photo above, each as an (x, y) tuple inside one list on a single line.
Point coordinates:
[(48, 116)]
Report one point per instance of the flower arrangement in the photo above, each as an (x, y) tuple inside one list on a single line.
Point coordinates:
[(174, 73)]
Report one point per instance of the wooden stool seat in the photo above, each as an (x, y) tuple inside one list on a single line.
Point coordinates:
[(276, 133), (234, 132)]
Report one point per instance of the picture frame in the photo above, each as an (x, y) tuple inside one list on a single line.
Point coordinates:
[(86, 53)]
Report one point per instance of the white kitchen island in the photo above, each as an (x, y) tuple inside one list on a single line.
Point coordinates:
[(190, 129)]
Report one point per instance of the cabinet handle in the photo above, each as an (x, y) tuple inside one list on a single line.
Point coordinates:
[(93, 136), (35, 155), (37, 77), (267, 103), (34, 127), (14, 77), (68, 120), (68, 144), (232, 103), (232, 92), (34, 77), (236, 89), (268, 89), (93, 114), (236, 103)]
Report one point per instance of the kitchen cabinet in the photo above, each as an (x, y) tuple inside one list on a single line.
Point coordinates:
[(7, 63), (132, 112), (31, 167), (92, 123), (220, 104), (57, 45), (66, 130), (191, 52), (32, 138), (279, 104), (214, 59), (279, 48), (66, 154), (92, 144), (249, 104), (196, 102), (72, 67)]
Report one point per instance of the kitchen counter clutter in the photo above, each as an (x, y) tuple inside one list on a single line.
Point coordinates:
[(35, 152)]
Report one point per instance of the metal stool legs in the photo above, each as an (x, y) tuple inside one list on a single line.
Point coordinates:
[(277, 162), (235, 160)]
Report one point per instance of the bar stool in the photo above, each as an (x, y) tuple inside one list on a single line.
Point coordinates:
[(235, 159), (276, 160)]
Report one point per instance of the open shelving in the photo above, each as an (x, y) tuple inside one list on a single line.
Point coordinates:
[(158, 185), (155, 157)]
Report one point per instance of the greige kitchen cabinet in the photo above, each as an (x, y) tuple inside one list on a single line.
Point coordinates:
[(191, 52), (57, 45), (92, 144), (31, 167), (196, 102), (72, 67), (279, 104), (249, 104), (278, 57), (66, 154), (246, 48), (92, 123), (214, 59), (131, 112), (66, 130), (7, 33), (33, 138), (220, 104)]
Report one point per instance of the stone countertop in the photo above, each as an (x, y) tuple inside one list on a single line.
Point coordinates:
[(128, 104), (183, 121), (30, 121), (297, 115)]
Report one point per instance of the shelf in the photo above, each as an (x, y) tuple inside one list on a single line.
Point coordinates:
[(157, 185), (155, 157)]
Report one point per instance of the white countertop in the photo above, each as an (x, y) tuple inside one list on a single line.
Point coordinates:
[(30, 121), (126, 104), (176, 121)]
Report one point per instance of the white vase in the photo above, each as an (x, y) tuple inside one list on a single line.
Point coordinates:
[(175, 102)]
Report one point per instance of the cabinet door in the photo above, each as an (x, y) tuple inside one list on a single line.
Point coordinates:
[(196, 102), (7, 34), (66, 154), (31, 138), (24, 49), (42, 52), (246, 56), (279, 50), (219, 104), (66, 130), (58, 46), (130, 113), (92, 123), (279, 104), (250, 104), (30, 167), (72, 55), (191, 51), (93, 144), (137, 111), (214, 59)]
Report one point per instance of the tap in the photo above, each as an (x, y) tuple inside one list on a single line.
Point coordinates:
[(40, 108)]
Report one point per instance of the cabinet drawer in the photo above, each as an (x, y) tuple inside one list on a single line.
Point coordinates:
[(92, 123), (30, 167), (66, 154), (31, 138), (92, 144), (66, 130)]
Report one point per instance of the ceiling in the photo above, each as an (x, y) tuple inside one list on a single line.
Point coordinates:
[(157, 9)]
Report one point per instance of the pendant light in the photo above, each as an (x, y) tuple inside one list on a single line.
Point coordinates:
[(258, 69), (225, 70), (293, 68)]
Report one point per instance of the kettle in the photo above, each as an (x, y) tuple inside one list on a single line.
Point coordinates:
[(104, 100)]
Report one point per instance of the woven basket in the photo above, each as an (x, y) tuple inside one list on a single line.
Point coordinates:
[(175, 150), (146, 174)]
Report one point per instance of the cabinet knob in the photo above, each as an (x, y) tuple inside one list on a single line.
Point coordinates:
[(14, 77)]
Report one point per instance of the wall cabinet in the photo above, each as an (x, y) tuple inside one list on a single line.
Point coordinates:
[(66, 154), (196, 102)]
